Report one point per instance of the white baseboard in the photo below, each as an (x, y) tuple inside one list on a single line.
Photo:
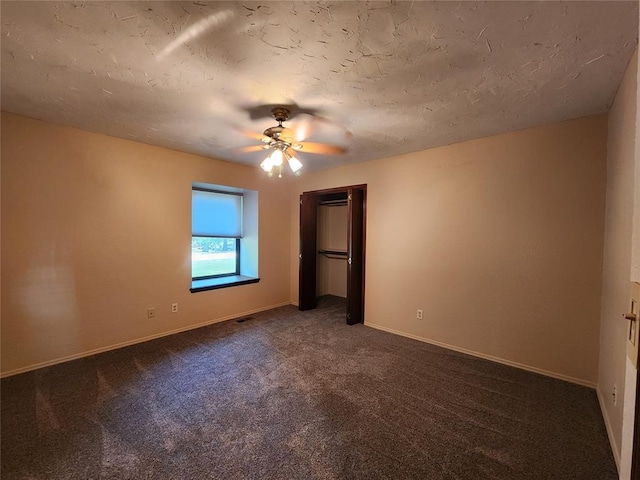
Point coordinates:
[(522, 366), (607, 424), (137, 340)]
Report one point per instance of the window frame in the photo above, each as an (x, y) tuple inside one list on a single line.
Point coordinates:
[(246, 245)]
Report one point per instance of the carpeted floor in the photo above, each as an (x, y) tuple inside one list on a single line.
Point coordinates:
[(297, 395)]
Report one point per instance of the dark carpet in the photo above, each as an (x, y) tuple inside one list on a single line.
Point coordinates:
[(292, 395)]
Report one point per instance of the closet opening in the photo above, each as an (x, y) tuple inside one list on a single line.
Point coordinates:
[(332, 241), (331, 262)]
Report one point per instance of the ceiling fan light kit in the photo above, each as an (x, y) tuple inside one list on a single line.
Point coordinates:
[(273, 163), (285, 143)]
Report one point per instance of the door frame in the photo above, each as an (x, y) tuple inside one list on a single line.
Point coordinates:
[(634, 353), (307, 254), (635, 452)]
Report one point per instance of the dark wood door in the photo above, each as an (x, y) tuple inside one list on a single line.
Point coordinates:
[(307, 256), (355, 256)]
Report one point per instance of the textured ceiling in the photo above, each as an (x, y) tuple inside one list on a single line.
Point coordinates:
[(400, 76)]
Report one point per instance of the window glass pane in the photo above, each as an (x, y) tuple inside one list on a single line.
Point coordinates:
[(213, 256)]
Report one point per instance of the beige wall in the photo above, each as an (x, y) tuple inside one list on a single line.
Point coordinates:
[(617, 251), (97, 229), (635, 243), (499, 240), (332, 235), (489, 237)]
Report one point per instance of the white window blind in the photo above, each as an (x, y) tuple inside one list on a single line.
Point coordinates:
[(216, 214)]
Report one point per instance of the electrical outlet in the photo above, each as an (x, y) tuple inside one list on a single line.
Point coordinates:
[(615, 395), (151, 313), (174, 308), (419, 314)]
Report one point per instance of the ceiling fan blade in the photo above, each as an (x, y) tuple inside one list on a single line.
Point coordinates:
[(304, 127), (320, 148), (258, 112), (319, 129), (287, 135), (253, 148), (253, 135)]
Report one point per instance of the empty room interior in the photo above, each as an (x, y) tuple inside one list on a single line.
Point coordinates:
[(282, 240)]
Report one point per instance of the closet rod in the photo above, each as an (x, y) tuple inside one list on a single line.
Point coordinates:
[(334, 203), (333, 254)]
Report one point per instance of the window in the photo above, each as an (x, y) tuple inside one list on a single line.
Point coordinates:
[(214, 256), (224, 233), (216, 229)]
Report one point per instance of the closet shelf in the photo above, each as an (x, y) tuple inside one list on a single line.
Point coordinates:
[(333, 253)]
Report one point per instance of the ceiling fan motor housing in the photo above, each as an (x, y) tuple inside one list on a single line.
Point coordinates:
[(274, 132), (285, 139), (279, 133), (280, 114)]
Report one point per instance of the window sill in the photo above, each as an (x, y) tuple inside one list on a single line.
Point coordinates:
[(221, 282)]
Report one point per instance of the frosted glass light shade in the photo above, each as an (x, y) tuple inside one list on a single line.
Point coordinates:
[(276, 157), (294, 164), (267, 164)]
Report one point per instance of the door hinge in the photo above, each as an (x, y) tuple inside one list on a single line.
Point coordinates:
[(349, 197), (349, 261), (300, 256), (300, 201)]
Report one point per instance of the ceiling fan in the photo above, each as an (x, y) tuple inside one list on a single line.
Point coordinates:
[(285, 142)]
